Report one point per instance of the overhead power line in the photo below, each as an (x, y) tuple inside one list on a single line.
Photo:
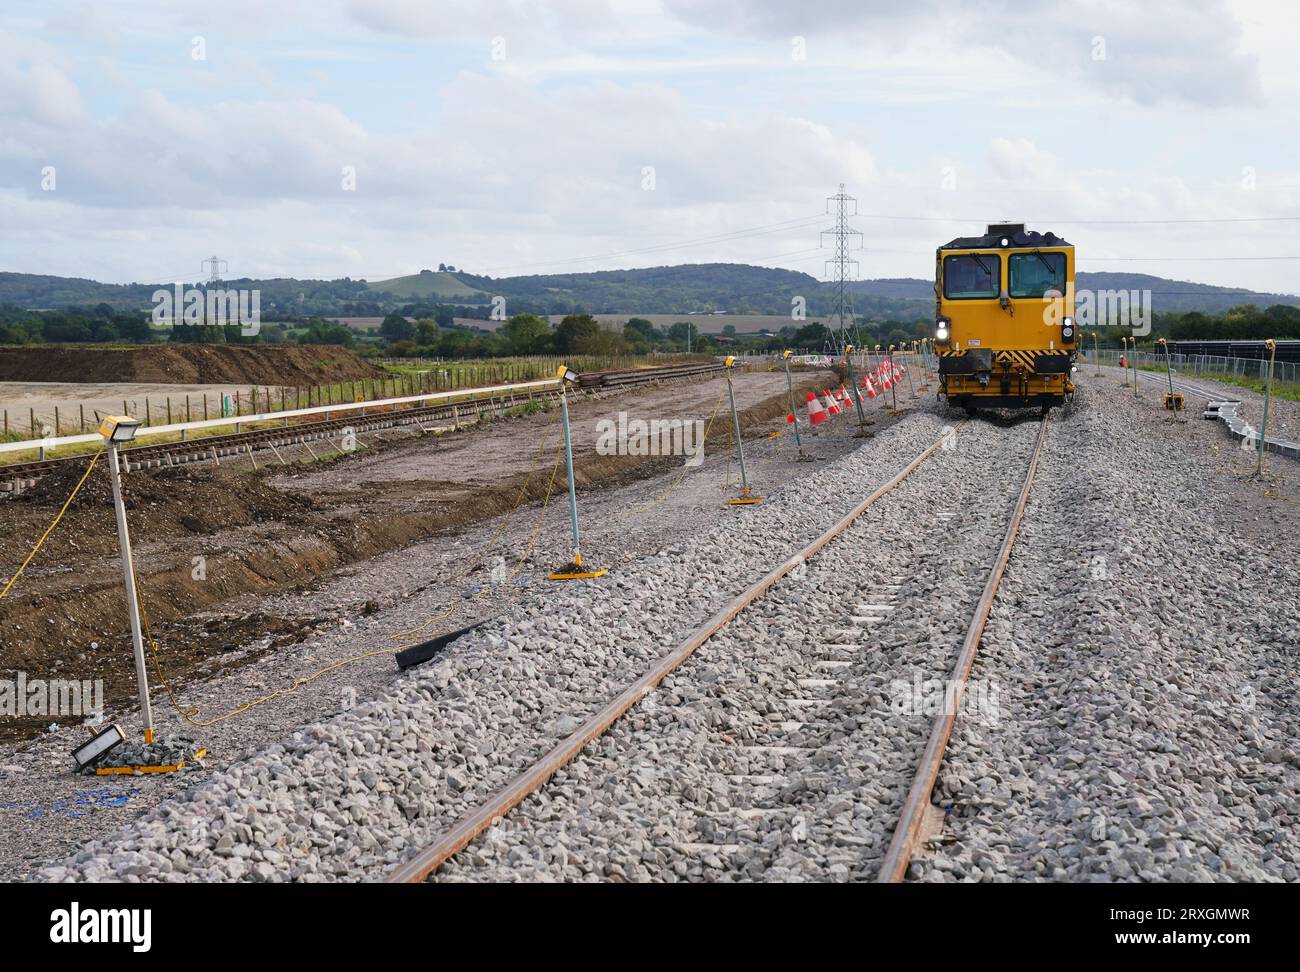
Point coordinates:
[(1093, 222), (765, 229)]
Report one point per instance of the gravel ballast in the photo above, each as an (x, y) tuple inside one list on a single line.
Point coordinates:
[(347, 798)]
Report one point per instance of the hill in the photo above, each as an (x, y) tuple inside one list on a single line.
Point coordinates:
[(687, 289), (436, 284)]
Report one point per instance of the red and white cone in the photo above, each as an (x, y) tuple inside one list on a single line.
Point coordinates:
[(831, 407), (816, 413), (871, 387)]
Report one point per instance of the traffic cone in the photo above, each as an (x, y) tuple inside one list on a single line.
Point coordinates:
[(816, 413), (831, 407), (871, 388)]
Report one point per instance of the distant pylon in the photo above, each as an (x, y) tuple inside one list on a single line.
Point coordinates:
[(842, 267), (218, 265)]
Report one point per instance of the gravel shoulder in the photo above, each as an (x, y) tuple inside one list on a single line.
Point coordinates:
[(1145, 646)]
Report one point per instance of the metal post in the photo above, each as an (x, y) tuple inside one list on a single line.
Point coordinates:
[(848, 364), (132, 604), (740, 447), (1268, 394), (893, 385), (568, 458), (789, 384), (1096, 353)]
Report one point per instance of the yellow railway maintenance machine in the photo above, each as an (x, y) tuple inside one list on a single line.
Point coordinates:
[(1004, 319)]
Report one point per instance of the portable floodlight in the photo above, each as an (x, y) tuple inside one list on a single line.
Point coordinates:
[(575, 570), (786, 354), (98, 746), (744, 499), (116, 429)]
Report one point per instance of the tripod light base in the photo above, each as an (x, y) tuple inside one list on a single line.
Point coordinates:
[(133, 770), (578, 572), (744, 501)]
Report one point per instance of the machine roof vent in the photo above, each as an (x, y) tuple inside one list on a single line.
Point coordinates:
[(1006, 229)]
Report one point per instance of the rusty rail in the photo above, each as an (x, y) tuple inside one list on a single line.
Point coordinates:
[(503, 801), (908, 833)]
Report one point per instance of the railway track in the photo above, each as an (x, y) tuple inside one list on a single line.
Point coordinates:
[(16, 477), (800, 749)]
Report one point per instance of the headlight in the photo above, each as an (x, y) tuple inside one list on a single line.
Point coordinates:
[(941, 334), (1067, 329)]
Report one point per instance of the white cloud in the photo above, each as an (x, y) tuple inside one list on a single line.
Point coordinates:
[(541, 158)]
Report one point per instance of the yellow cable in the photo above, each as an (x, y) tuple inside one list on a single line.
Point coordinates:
[(189, 714), (50, 529)]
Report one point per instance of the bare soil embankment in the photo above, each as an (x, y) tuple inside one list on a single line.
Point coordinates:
[(187, 364)]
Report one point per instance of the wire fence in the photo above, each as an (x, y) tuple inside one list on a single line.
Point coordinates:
[(1233, 370)]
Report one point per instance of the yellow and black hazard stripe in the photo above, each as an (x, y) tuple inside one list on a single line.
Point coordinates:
[(1007, 359)]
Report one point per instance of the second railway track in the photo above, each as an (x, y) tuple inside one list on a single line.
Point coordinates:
[(801, 736), (368, 418)]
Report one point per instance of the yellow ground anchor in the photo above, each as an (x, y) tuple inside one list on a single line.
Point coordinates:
[(575, 572)]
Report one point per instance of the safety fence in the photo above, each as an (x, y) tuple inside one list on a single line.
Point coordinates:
[(1208, 365)]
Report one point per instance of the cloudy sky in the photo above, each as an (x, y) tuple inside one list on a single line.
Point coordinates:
[(378, 137)]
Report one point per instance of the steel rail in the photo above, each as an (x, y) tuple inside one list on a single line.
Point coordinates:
[(481, 818), (907, 834)]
